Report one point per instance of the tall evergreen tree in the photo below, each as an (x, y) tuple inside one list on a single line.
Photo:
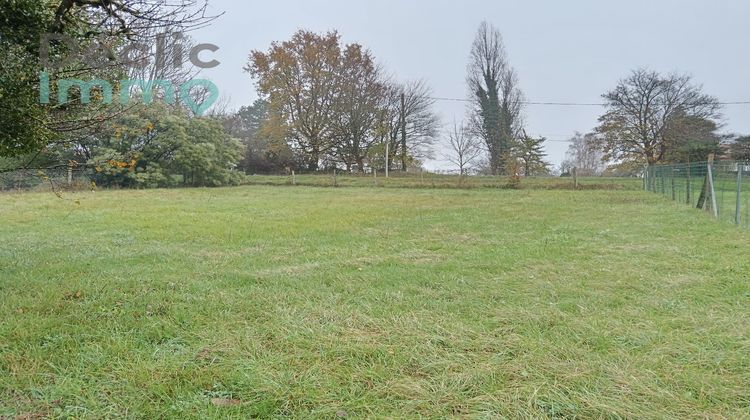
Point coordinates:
[(497, 102)]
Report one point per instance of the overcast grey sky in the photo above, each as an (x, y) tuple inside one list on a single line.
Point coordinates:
[(563, 51)]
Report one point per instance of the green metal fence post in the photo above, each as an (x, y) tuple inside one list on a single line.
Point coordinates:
[(688, 186), (739, 192), (663, 182), (711, 186)]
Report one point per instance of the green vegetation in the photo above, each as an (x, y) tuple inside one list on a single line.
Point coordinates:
[(33, 181), (687, 184), (156, 146), (322, 302), (430, 180), (40, 41)]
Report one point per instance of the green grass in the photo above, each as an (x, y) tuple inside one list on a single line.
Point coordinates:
[(685, 191), (430, 180), (318, 302)]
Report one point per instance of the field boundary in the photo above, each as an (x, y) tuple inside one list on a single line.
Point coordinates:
[(721, 188)]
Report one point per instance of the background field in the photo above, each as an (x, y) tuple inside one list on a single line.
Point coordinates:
[(371, 301), (430, 180), (31, 180)]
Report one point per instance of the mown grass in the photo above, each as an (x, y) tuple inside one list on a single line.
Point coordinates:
[(312, 302)]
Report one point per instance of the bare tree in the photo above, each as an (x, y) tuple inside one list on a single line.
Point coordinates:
[(170, 64), (153, 28), (362, 94), (585, 154), (409, 122), (131, 18), (496, 101), (464, 148), (643, 107), (565, 167)]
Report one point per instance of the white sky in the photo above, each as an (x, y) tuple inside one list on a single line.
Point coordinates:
[(563, 51)]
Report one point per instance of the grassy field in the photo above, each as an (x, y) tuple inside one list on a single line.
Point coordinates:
[(29, 180), (682, 190), (430, 180), (353, 302)]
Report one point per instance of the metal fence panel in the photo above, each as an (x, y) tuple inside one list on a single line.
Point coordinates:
[(721, 188)]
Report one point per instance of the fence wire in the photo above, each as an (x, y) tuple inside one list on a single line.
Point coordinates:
[(721, 188), (45, 180)]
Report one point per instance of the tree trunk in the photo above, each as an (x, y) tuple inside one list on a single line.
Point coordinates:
[(360, 165), (312, 164), (403, 132), (493, 159), (702, 199)]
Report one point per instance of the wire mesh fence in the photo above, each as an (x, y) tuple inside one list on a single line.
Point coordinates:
[(83, 178), (45, 180), (721, 188)]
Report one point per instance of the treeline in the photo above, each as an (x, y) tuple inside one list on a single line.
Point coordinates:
[(330, 105), (137, 143), (322, 105), (652, 118)]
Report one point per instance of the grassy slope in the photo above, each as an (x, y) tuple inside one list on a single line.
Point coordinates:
[(308, 301)]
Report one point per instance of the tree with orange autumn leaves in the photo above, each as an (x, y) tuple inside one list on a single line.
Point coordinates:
[(333, 104)]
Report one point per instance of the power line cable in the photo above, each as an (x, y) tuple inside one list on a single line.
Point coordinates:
[(440, 98)]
